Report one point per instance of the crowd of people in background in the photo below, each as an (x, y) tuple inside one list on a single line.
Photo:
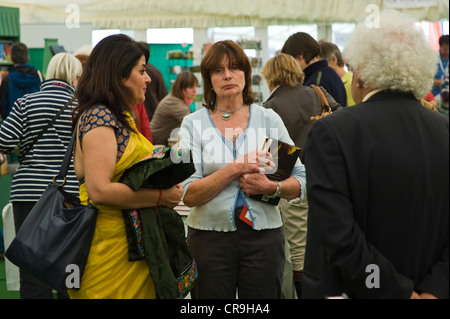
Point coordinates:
[(362, 214)]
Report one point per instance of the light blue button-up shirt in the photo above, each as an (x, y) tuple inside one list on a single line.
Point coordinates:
[(210, 152)]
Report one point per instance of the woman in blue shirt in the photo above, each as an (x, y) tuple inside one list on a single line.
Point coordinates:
[(236, 241)]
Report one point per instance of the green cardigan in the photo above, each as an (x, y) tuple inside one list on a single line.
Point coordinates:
[(157, 234)]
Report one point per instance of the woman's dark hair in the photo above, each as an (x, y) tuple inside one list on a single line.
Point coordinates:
[(213, 60), (101, 82), (302, 43), (184, 80)]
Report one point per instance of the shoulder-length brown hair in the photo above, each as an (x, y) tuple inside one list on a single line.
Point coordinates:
[(184, 80), (213, 59), (101, 82)]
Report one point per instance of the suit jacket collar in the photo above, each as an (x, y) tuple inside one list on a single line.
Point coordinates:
[(390, 95)]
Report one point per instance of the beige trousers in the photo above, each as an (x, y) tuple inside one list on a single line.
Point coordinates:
[(295, 218)]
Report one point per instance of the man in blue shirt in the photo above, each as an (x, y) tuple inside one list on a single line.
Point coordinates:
[(306, 50), (442, 66), (22, 79)]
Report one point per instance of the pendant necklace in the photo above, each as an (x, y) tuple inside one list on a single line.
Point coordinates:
[(226, 116)]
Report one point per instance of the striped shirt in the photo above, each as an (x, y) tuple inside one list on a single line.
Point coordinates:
[(29, 116)]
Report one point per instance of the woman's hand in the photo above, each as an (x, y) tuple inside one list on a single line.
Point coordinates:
[(426, 295), (171, 197), (203, 190), (253, 184), (256, 161), (261, 163)]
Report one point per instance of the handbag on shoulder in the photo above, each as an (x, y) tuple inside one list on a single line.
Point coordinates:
[(326, 109), (25, 150), (55, 238), (3, 165)]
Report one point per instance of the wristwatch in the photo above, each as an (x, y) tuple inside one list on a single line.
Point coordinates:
[(277, 192)]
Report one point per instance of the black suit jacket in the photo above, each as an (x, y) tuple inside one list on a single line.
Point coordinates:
[(378, 185)]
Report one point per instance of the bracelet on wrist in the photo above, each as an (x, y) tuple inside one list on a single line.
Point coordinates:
[(159, 200), (277, 192)]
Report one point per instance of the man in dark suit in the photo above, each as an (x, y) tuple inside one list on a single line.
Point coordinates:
[(377, 176)]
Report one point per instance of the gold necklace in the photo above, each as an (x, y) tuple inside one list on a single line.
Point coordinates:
[(226, 116)]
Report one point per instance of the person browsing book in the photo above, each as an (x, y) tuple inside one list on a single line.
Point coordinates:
[(228, 229)]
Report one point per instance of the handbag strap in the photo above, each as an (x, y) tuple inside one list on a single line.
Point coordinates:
[(66, 161), (323, 99), (25, 151)]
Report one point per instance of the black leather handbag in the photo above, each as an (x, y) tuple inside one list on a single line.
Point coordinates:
[(55, 238)]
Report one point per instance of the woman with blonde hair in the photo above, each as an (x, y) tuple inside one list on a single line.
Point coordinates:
[(295, 104), (41, 156), (64, 66)]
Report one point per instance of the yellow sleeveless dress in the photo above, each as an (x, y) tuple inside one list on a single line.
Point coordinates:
[(108, 273)]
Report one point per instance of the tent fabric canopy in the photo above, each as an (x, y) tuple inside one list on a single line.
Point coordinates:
[(143, 14)]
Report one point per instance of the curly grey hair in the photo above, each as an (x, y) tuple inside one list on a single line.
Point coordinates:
[(394, 55)]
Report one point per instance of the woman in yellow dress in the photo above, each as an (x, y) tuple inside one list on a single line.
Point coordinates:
[(113, 80)]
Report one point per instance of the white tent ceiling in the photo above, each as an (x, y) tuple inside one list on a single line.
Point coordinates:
[(143, 14)]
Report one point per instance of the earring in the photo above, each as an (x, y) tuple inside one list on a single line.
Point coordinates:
[(213, 96)]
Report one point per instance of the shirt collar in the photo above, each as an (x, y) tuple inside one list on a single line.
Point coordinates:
[(275, 89), (370, 94)]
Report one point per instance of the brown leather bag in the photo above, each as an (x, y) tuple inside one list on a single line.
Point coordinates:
[(326, 109), (3, 165)]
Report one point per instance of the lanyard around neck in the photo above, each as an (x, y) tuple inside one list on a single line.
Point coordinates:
[(441, 65)]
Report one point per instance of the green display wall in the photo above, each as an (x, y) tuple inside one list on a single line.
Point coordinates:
[(159, 59), (37, 58)]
